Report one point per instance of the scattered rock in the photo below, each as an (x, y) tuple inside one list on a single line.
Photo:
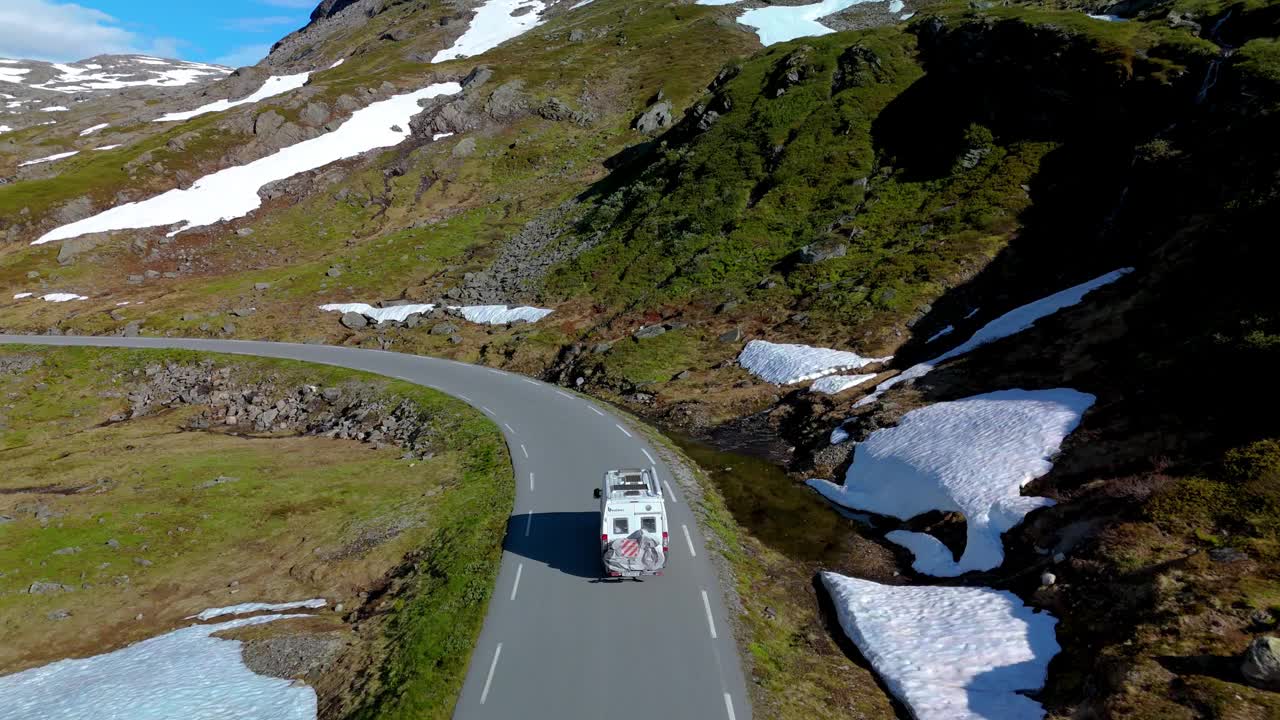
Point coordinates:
[(464, 148), (455, 339), (142, 561), (46, 588), (726, 306), (113, 543), (650, 331), (818, 252), (244, 232), (228, 328), (334, 272), (133, 329), (220, 480), (262, 286), (1048, 578), (59, 615), (353, 321), (683, 375), (1261, 665), (733, 336), (66, 551), (656, 117), (444, 329), (243, 312)]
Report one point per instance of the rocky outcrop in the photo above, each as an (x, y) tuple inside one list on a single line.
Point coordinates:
[(654, 118), (1261, 665), (525, 260)]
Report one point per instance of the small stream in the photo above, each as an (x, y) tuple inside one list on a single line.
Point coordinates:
[(781, 513)]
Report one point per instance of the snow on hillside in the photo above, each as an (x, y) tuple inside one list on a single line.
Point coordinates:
[(94, 129), (780, 23), (50, 158), (233, 192), (112, 72), (186, 673), (494, 24), (243, 608), (1011, 323), (949, 653), (835, 384), (274, 85), (783, 364), (479, 314), (970, 456)]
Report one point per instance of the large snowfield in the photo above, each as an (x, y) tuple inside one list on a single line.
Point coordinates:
[(783, 364), (1010, 323), (185, 674), (970, 456), (85, 77), (274, 85), (780, 23), (493, 25), (233, 192), (949, 653), (480, 314)]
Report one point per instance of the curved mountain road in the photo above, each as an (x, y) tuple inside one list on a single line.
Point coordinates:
[(558, 643)]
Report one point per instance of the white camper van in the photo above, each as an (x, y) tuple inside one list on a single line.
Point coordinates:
[(633, 524)]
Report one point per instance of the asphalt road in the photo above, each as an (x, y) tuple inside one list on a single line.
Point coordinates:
[(559, 643)]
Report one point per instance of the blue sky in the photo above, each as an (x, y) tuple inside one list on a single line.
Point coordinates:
[(228, 32)]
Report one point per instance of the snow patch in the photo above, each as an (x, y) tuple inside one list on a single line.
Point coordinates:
[(22, 296), (1108, 18), (970, 456), (835, 384), (783, 364), (896, 6), (275, 85), (5, 129), (941, 333), (717, 2), (440, 136), (582, 3), (51, 158), (94, 129), (1010, 323), (243, 608), (501, 314), (186, 673), (54, 108), (233, 192), (62, 297), (493, 25), (340, 61), (480, 314), (780, 23), (109, 147), (949, 653)]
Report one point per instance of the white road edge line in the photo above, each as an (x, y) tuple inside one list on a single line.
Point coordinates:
[(492, 666), (508, 427), (689, 540), (464, 397), (670, 492), (646, 454), (530, 482), (624, 430), (525, 451), (562, 393), (711, 623), (728, 705), (487, 410), (596, 410), (531, 382), (528, 525), (516, 587)]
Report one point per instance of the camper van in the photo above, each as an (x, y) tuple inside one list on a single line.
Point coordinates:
[(633, 524)]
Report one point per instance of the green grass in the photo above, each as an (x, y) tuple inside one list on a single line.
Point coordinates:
[(654, 359)]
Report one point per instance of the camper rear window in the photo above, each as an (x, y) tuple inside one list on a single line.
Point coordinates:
[(649, 525), (620, 526)]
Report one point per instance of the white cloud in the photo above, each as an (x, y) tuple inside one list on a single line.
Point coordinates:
[(61, 31), (244, 55)]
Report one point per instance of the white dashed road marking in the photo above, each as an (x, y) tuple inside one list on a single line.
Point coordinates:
[(510, 429), (711, 623), (516, 587), (596, 410), (530, 482), (562, 393), (487, 410), (624, 430), (531, 382), (728, 705), (523, 450), (489, 680), (464, 397), (689, 540), (670, 492), (646, 454)]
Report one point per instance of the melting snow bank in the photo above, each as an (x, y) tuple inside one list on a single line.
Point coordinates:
[(787, 364), (949, 653), (51, 158), (835, 384), (495, 22), (60, 297), (970, 456), (243, 608), (481, 314), (233, 192), (780, 23), (275, 85), (182, 674), (21, 296), (94, 129), (1010, 323)]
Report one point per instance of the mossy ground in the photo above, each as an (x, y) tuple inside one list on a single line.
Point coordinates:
[(150, 535)]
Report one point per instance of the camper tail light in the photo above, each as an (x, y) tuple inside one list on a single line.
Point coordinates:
[(665, 547), (604, 538)]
